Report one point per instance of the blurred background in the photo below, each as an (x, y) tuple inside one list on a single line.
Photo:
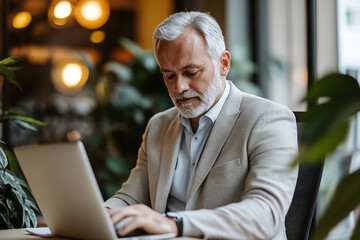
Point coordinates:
[(89, 73)]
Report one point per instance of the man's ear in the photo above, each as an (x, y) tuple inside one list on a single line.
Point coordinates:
[(224, 63)]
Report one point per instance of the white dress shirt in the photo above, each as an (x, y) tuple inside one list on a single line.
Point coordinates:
[(191, 147)]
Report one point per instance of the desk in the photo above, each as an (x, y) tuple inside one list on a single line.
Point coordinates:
[(21, 234)]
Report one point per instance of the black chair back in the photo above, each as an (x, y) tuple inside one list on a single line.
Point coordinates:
[(300, 217)]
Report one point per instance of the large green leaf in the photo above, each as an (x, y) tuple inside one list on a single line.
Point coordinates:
[(17, 212), (327, 123), (327, 126), (323, 117), (334, 86), (316, 152), (12, 115), (345, 199), (23, 121)]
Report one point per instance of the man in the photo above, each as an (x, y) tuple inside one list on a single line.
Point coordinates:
[(219, 162)]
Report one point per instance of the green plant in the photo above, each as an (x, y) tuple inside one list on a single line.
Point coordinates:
[(16, 208), (129, 94), (328, 124)]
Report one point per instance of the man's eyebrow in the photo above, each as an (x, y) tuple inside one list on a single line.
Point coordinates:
[(165, 70), (186, 67)]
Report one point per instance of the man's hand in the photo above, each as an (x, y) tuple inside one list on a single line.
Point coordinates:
[(143, 218)]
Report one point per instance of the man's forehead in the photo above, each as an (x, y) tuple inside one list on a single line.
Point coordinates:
[(187, 67), (186, 51)]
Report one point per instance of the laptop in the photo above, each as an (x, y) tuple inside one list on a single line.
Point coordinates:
[(64, 186)]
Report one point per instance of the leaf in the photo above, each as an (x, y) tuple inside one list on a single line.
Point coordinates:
[(321, 118), (18, 210), (148, 61), (10, 157), (10, 61), (3, 160), (23, 121), (131, 46), (12, 115), (5, 222), (7, 69), (127, 96), (327, 144), (25, 125), (12, 161), (343, 101), (122, 72), (335, 86), (345, 199)]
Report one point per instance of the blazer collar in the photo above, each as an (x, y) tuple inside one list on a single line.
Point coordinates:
[(168, 160), (217, 138)]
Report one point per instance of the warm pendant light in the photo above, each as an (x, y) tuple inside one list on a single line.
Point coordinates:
[(92, 14)]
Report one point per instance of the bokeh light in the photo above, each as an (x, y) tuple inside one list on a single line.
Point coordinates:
[(91, 10), (21, 20), (97, 36), (92, 14), (70, 76), (61, 13), (62, 9)]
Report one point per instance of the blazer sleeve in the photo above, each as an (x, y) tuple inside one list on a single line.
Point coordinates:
[(269, 185)]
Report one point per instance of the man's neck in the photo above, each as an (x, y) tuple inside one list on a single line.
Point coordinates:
[(195, 123)]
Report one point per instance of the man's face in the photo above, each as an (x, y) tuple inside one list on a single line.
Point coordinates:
[(193, 83)]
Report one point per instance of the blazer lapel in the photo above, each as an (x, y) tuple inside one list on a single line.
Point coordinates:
[(217, 138), (168, 163)]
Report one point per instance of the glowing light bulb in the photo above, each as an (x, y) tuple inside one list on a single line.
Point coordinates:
[(21, 20), (71, 74), (62, 9), (91, 11)]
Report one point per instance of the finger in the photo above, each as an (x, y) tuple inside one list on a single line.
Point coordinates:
[(116, 215), (121, 224), (133, 224)]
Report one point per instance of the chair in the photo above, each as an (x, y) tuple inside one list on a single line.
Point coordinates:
[(300, 217)]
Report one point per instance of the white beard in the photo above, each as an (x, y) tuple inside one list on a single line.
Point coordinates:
[(207, 99)]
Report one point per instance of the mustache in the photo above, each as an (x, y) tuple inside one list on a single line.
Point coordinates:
[(186, 94)]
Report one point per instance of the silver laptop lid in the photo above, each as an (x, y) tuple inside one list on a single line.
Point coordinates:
[(65, 188)]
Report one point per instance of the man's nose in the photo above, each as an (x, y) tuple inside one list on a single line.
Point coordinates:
[(182, 84)]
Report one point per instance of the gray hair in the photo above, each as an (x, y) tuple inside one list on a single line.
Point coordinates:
[(177, 23)]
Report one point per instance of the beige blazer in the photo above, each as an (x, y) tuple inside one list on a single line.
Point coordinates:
[(243, 184)]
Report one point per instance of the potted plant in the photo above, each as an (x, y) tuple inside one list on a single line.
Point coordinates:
[(17, 210), (327, 126)]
